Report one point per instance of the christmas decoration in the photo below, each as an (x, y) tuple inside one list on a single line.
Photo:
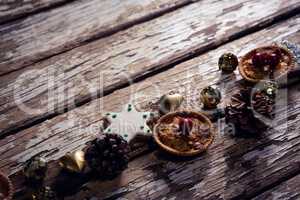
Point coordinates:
[(269, 62), (128, 123), (108, 155), (210, 97), (264, 59), (228, 62), (73, 162), (263, 98), (35, 169), (239, 113), (270, 88), (6, 188), (45, 193), (263, 104), (185, 126), (170, 102), (184, 133)]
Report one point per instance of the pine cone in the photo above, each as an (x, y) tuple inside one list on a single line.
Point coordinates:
[(108, 155), (45, 193), (263, 104), (239, 113)]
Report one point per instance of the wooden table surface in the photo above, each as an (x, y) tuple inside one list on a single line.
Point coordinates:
[(64, 63)]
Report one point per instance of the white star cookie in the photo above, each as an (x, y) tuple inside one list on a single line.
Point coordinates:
[(128, 123)]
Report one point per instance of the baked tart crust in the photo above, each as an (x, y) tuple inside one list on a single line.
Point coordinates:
[(199, 139), (254, 74)]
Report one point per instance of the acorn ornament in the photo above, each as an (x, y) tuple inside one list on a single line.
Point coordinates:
[(73, 162), (228, 62), (170, 102), (35, 169), (210, 97)]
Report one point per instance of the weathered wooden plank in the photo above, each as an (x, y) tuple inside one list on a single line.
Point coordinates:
[(288, 190), (72, 130), (12, 9), (45, 34), (74, 77), (231, 169)]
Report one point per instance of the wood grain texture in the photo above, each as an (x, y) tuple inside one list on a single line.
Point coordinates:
[(288, 190), (45, 34), (231, 169), (73, 78), (12, 9), (73, 129)]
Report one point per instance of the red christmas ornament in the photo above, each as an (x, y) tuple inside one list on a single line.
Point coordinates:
[(185, 126)]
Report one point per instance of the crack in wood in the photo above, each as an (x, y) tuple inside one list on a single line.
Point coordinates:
[(139, 76)]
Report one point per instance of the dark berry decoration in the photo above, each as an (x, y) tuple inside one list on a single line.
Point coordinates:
[(258, 60), (271, 59)]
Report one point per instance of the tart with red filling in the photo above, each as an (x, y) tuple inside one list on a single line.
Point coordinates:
[(268, 62), (184, 133)]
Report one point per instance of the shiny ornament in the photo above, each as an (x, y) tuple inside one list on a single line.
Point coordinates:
[(35, 169), (170, 102), (228, 62), (73, 162), (185, 126), (210, 97), (45, 193), (270, 88), (108, 155)]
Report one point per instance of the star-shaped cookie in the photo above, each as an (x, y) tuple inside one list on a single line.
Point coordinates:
[(128, 123)]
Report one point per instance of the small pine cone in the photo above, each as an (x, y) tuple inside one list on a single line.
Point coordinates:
[(263, 104), (239, 113), (45, 193), (108, 155)]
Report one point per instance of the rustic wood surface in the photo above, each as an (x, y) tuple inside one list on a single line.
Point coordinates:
[(12, 9), (24, 41), (287, 190), (70, 131), (161, 46), (231, 169), (102, 66)]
